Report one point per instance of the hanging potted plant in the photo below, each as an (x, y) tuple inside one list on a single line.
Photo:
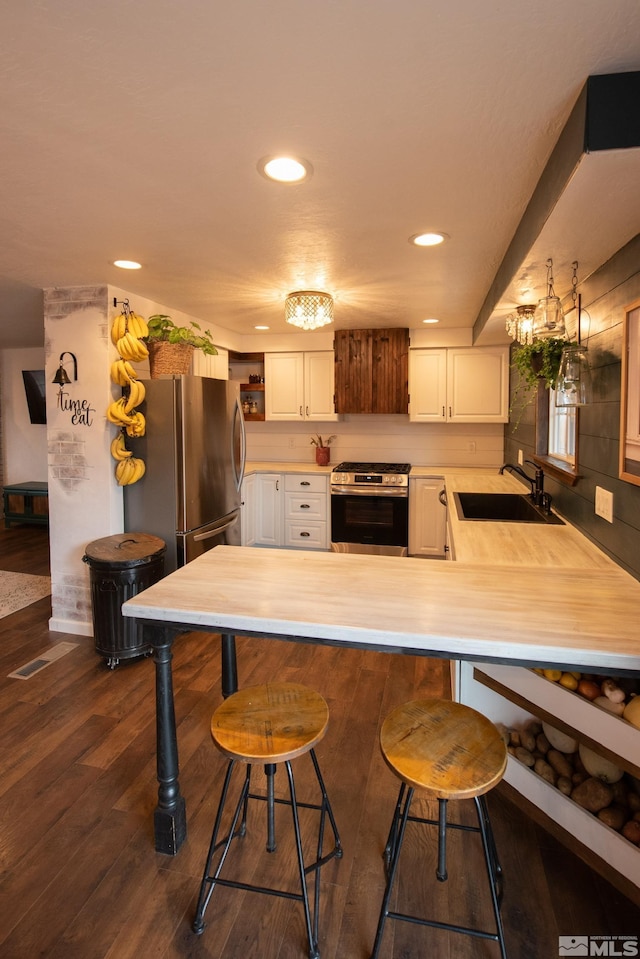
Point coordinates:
[(536, 362), (171, 347)]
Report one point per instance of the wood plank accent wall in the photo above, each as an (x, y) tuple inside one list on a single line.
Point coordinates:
[(605, 295)]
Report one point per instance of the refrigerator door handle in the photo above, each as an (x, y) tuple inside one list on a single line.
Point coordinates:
[(239, 419), (220, 528)]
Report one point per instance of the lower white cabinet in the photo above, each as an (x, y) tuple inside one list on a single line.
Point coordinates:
[(427, 517), (291, 510), (248, 511)]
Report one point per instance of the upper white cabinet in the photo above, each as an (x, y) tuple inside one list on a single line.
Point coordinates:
[(466, 385), (299, 386), (216, 366)]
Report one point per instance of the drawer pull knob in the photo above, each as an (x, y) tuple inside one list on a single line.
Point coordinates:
[(305, 534), (305, 483), (304, 506)]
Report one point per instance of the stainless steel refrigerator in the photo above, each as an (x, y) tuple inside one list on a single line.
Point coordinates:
[(194, 451)]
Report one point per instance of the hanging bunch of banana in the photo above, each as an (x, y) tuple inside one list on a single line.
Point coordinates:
[(127, 331)]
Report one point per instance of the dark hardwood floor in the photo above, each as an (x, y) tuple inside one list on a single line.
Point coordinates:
[(79, 875)]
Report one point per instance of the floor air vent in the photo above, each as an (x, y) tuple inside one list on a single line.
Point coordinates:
[(41, 662)]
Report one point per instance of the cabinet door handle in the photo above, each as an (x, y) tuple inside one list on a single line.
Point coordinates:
[(307, 410), (277, 485), (449, 411), (300, 411), (442, 496), (443, 412)]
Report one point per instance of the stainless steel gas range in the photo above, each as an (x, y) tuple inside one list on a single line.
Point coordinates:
[(370, 508)]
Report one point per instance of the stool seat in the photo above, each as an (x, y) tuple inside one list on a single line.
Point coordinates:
[(446, 749), (273, 723)]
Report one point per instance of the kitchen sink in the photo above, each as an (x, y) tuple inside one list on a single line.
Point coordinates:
[(502, 508)]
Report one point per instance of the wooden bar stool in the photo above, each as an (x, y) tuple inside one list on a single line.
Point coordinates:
[(448, 751), (270, 724)]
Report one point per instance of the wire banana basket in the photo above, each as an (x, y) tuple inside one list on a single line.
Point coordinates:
[(172, 358)]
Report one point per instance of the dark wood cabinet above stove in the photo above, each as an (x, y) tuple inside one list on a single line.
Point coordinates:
[(372, 371)]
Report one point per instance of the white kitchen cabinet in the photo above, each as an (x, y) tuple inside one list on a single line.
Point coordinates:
[(427, 517), (300, 386), (216, 366), (512, 695), (291, 510), (248, 511), (268, 509), (466, 385)]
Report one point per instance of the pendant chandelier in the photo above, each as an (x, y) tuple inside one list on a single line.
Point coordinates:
[(308, 309), (549, 318), (520, 326)]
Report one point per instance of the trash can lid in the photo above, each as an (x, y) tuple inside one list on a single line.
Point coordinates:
[(125, 549)]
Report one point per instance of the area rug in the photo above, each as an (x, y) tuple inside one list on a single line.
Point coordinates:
[(18, 590)]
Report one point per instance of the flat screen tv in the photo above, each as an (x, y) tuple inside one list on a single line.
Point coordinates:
[(34, 389)]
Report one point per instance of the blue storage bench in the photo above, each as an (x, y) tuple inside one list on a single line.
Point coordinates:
[(26, 503)]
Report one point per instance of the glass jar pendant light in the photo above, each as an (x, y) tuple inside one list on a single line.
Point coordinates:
[(573, 386), (549, 318)]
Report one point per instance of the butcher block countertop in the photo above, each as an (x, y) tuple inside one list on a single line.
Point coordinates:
[(575, 618), (495, 544), (516, 593)]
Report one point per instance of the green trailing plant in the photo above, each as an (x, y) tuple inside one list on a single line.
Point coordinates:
[(162, 329), (535, 362), (539, 360)]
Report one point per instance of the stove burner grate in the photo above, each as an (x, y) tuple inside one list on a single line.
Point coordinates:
[(373, 468)]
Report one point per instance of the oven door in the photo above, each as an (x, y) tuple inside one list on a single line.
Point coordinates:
[(367, 522)]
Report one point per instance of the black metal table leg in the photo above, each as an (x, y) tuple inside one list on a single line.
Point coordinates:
[(170, 819), (229, 664)]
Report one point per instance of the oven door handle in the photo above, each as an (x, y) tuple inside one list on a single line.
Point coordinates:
[(370, 491)]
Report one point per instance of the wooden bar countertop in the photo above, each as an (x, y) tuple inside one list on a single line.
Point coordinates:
[(571, 617)]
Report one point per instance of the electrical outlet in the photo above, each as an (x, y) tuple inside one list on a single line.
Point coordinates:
[(471, 446), (604, 504), (292, 443), (520, 458)]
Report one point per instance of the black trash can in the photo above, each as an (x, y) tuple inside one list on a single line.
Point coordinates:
[(121, 566)]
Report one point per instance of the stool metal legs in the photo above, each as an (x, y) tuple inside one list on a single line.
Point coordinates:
[(392, 855), (209, 880)]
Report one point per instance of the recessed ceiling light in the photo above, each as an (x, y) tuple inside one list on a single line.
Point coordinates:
[(428, 239), (127, 264), (285, 169), (431, 321), (261, 327)]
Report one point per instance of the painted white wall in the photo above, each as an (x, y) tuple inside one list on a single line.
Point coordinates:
[(375, 438), (24, 443), (85, 501)]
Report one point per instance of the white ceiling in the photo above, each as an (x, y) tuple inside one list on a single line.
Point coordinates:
[(132, 128)]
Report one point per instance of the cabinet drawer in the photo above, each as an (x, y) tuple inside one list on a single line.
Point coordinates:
[(299, 482), (309, 505), (307, 535)]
